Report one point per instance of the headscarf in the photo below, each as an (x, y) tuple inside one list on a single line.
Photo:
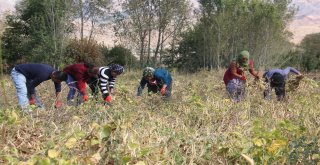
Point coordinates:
[(116, 68), (240, 59), (148, 72)]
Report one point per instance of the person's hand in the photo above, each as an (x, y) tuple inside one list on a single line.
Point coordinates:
[(300, 76), (32, 101), (243, 78), (257, 77), (85, 98), (58, 104), (163, 90), (108, 99)]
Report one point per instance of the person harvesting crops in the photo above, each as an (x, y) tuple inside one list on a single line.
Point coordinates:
[(235, 78), (276, 79), (78, 75), (106, 77), (157, 80), (27, 77)]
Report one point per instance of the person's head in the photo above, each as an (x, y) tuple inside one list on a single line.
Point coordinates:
[(277, 79), (116, 69), (148, 73), (243, 59), (59, 76), (93, 71)]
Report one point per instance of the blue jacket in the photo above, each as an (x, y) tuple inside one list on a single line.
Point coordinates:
[(161, 76), (284, 72), (36, 74)]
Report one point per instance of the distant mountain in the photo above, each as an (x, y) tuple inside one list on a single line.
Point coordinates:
[(307, 19)]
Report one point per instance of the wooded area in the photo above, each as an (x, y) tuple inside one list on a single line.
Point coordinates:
[(156, 33)]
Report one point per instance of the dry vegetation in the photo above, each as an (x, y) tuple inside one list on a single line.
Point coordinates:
[(198, 126)]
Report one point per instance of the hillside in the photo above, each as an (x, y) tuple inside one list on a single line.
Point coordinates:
[(306, 20)]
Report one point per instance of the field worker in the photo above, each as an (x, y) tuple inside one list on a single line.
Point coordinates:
[(157, 80), (276, 78), (107, 78), (78, 75), (235, 79), (27, 77)]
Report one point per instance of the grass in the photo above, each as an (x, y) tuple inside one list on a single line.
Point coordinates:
[(198, 126)]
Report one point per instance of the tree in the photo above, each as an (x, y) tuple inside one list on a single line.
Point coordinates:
[(37, 31), (227, 27), (311, 52), (139, 21), (132, 24), (123, 56), (171, 19), (93, 12)]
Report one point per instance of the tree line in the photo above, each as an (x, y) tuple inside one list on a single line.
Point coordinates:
[(156, 32)]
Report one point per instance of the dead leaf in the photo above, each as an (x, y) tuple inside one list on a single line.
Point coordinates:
[(71, 142)]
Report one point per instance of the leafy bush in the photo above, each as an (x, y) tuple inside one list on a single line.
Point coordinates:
[(86, 51), (120, 55)]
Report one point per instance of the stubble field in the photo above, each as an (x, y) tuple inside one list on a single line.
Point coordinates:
[(200, 125)]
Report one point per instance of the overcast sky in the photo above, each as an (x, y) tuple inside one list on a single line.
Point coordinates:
[(306, 21)]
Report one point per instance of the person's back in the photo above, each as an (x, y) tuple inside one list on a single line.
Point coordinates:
[(284, 72), (164, 75), (40, 72), (27, 77)]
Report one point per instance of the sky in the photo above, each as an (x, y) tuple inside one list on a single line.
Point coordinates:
[(306, 21)]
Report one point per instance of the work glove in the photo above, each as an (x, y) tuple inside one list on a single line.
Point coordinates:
[(163, 91), (32, 101), (243, 78), (58, 104), (108, 99), (85, 98)]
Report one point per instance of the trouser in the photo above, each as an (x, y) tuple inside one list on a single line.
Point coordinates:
[(23, 95), (279, 90), (72, 83), (236, 90)]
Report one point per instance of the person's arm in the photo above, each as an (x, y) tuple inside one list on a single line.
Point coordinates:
[(233, 70), (32, 85), (165, 76), (143, 82), (252, 71), (112, 83), (58, 103), (81, 85), (104, 84), (291, 69)]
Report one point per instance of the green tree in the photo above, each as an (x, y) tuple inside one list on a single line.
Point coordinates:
[(123, 56), (311, 52), (37, 31), (227, 27)]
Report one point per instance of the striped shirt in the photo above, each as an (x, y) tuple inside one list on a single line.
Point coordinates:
[(107, 81)]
